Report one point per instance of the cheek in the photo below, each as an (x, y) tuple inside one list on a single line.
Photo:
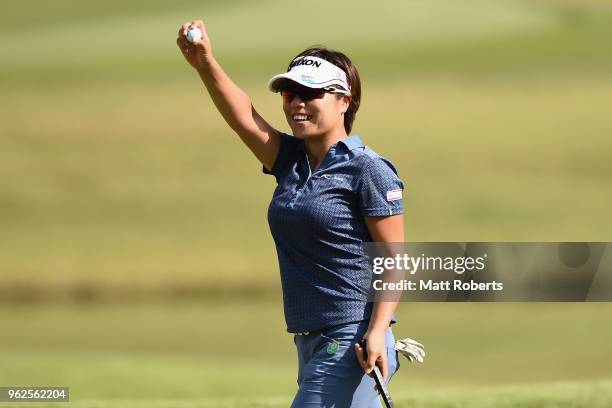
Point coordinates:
[(329, 114)]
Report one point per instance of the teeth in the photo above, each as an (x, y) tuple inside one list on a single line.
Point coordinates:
[(301, 117)]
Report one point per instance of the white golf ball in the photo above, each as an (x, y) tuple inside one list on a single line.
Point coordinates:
[(194, 34)]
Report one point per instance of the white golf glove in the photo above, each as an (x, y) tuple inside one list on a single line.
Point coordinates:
[(411, 349)]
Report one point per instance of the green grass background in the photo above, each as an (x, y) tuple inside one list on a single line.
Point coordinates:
[(136, 265)]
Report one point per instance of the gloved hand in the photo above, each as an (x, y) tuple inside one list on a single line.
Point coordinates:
[(411, 349)]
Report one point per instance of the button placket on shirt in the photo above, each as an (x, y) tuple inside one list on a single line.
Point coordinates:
[(298, 190)]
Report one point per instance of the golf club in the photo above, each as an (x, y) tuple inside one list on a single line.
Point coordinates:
[(378, 378)]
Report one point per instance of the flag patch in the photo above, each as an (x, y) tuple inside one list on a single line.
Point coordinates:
[(394, 195)]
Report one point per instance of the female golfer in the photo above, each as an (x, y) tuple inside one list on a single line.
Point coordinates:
[(333, 194)]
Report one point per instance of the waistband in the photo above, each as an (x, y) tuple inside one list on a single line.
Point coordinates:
[(321, 330)]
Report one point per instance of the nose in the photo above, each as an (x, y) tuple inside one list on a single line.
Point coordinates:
[(297, 101)]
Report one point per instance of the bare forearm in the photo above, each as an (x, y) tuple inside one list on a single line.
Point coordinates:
[(381, 315), (232, 102)]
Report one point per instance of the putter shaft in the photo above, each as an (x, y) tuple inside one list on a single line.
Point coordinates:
[(378, 378)]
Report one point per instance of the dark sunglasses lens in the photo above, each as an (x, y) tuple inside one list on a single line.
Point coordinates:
[(287, 95), (310, 94), (305, 94)]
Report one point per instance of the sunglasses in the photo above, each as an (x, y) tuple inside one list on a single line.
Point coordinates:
[(307, 94)]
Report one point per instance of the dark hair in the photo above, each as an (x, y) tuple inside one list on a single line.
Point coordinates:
[(341, 61)]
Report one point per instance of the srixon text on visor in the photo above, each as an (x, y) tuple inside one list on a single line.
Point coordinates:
[(305, 61)]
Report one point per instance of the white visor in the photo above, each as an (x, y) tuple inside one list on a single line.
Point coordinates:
[(312, 72)]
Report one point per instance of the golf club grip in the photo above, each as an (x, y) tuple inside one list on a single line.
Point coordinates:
[(378, 378)]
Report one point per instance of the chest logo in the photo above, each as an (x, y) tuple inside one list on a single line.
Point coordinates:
[(331, 177)]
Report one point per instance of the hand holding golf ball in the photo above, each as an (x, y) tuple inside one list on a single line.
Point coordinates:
[(193, 34), (194, 44)]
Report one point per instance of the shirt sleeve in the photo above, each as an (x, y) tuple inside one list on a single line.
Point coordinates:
[(380, 190), (286, 155)]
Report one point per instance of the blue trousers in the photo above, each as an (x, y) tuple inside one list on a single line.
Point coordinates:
[(329, 375)]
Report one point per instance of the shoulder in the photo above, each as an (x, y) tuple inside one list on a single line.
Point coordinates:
[(370, 162), (378, 186)]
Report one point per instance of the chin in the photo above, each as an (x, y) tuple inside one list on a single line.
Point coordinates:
[(305, 133), (300, 133)]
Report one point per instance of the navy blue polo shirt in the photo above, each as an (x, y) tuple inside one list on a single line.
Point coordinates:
[(317, 222)]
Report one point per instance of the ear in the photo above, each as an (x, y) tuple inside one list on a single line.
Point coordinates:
[(346, 102)]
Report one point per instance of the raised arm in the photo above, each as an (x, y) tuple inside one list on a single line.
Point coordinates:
[(232, 102)]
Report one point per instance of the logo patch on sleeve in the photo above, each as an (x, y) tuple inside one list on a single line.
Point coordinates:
[(394, 195)]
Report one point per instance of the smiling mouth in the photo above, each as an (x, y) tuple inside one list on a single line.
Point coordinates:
[(301, 117)]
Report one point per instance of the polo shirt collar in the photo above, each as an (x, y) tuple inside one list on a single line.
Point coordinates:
[(352, 142)]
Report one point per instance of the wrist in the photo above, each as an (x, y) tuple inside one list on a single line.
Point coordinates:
[(378, 325), (375, 331), (206, 63)]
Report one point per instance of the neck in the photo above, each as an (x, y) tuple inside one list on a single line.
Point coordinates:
[(317, 147)]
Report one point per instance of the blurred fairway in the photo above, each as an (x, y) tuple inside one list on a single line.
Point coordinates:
[(119, 181), (203, 354)]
